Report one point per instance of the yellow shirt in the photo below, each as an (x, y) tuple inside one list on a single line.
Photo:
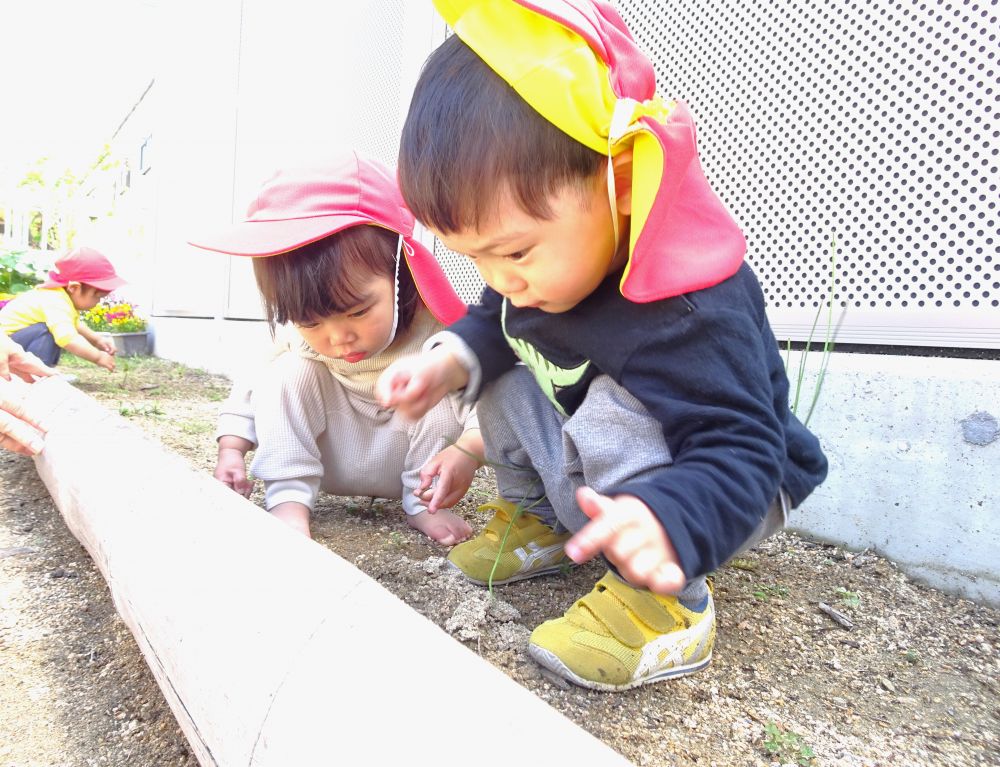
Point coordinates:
[(53, 306)]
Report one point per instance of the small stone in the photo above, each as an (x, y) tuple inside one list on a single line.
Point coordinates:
[(886, 684)]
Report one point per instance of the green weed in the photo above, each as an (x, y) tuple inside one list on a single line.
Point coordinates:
[(396, 539), (145, 410), (766, 592), (848, 598), (788, 746), (832, 329)]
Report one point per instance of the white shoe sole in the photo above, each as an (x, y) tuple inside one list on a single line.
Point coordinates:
[(521, 576), (552, 662)]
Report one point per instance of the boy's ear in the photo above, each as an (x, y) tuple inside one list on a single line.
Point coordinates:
[(621, 165), (73, 287)]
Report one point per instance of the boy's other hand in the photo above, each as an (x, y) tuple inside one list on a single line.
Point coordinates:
[(105, 361), (19, 432), (454, 471), (231, 470), (414, 384), (106, 346), (629, 535)]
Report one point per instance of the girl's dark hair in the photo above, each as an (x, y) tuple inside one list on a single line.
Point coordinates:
[(469, 137), (326, 277)]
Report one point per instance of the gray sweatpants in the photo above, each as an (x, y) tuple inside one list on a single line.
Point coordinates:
[(314, 434), (541, 457)]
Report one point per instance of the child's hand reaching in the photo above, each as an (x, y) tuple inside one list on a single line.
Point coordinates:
[(105, 361), (628, 534), (414, 384), (230, 467), (454, 468)]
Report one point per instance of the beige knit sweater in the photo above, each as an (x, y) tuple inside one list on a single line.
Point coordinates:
[(236, 412)]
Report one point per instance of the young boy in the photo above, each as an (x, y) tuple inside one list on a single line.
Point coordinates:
[(655, 429), (46, 320)]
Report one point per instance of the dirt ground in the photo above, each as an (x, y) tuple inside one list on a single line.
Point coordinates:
[(914, 682)]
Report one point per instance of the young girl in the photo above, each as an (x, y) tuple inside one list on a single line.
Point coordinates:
[(327, 243)]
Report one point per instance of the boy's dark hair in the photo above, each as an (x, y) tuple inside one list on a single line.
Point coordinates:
[(325, 277), (469, 137)]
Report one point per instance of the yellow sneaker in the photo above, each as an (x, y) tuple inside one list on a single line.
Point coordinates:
[(531, 548), (619, 637)]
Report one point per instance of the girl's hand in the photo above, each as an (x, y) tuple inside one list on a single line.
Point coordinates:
[(629, 535), (231, 470)]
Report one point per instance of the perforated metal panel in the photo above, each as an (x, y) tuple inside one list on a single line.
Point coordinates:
[(868, 126), (379, 73)]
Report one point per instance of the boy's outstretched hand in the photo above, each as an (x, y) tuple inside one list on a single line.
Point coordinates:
[(414, 384), (626, 532)]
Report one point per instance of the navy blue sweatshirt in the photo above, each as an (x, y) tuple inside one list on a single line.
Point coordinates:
[(707, 366)]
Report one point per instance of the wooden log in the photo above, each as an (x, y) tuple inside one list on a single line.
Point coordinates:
[(270, 649)]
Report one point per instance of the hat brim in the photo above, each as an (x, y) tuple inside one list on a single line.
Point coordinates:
[(434, 287), (259, 239), (108, 284)]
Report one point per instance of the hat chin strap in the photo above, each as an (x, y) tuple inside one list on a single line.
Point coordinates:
[(395, 300), (621, 119)]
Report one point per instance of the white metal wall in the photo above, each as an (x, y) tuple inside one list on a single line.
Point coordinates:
[(865, 128)]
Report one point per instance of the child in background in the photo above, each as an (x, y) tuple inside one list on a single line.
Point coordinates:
[(327, 242), (46, 319), (650, 420)]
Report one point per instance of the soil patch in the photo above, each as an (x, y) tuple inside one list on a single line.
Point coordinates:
[(914, 682)]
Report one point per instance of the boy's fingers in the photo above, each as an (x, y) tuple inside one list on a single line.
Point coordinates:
[(668, 578), (440, 493), (596, 534)]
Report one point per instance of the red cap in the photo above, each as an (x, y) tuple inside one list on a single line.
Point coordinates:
[(84, 265), (300, 205)]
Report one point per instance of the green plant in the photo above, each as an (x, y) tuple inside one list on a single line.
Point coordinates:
[(396, 539), (848, 598), (832, 329), (788, 746), (113, 315), (912, 657), (145, 410), (765, 592), (20, 271)]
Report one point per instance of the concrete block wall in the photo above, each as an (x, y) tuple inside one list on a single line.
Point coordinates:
[(914, 449)]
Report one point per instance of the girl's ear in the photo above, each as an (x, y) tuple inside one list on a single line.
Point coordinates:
[(621, 165)]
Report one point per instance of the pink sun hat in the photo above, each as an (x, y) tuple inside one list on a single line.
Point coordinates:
[(86, 266), (303, 204)]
